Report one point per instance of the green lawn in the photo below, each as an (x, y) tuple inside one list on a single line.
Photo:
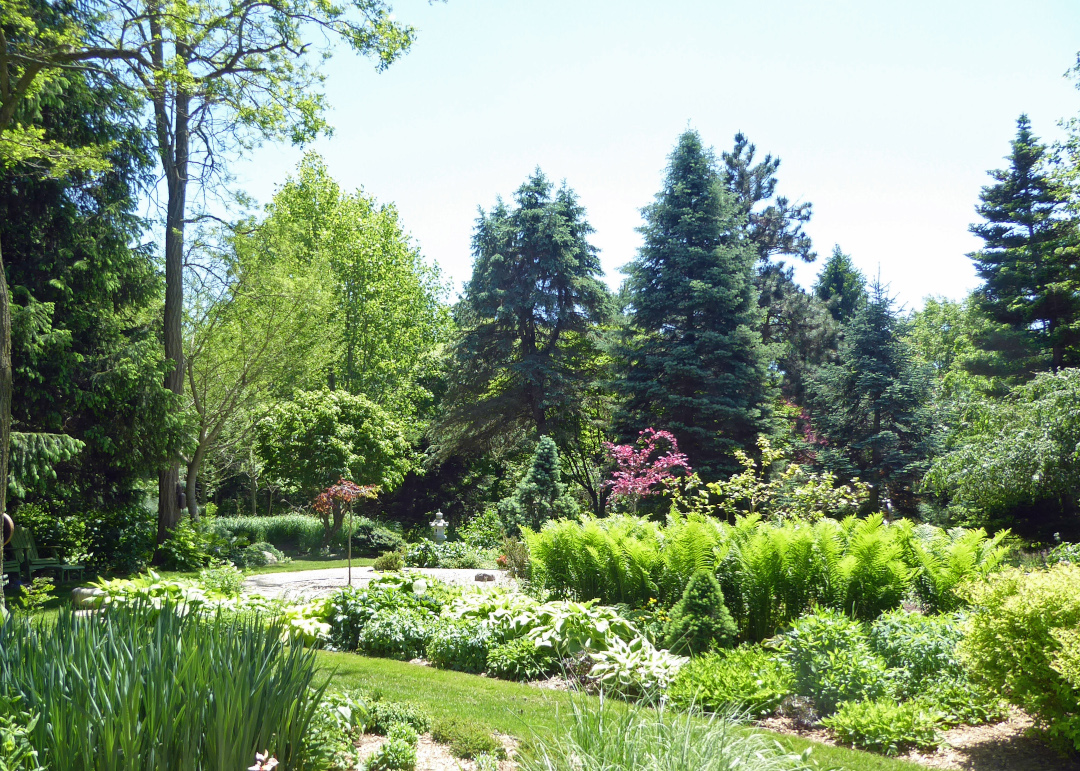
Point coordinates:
[(518, 709)]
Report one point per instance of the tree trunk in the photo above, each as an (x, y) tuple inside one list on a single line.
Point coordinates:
[(174, 161), (193, 478), (5, 403)]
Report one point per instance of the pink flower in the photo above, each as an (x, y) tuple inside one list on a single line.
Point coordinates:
[(640, 467)]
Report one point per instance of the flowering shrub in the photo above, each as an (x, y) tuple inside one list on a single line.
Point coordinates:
[(641, 467)]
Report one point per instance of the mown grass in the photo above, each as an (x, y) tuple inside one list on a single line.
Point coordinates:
[(521, 710)]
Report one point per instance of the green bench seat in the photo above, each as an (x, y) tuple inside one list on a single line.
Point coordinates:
[(26, 554)]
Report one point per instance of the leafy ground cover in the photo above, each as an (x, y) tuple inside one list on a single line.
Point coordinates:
[(521, 710)]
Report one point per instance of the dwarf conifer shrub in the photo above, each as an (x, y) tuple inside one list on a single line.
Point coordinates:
[(700, 620), (541, 494)]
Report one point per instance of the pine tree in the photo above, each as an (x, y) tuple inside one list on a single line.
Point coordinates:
[(776, 228), (529, 317), (692, 360), (841, 286), (1029, 261), (540, 495), (872, 405), (700, 620)]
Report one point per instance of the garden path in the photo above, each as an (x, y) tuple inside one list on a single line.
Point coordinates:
[(307, 584)]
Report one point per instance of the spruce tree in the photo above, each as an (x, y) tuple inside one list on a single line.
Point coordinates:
[(700, 620), (529, 317), (872, 406), (540, 495), (841, 286), (1029, 261), (692, 359)]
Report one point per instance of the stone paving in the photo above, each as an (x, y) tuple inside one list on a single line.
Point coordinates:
[(308, 584)]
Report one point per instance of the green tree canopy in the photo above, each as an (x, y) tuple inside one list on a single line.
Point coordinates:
[(319, 437), (872, 405), (387, 318), (86, 299), (528, 321), (692, 359), (1028, 263), (1013, 462), (841, 286)]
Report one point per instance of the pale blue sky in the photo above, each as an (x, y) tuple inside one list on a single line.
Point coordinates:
[(886, 115)]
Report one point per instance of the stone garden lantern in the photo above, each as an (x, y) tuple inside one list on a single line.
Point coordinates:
[(439, 527)]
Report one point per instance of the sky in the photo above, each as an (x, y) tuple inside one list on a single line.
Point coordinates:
[(886, 116)]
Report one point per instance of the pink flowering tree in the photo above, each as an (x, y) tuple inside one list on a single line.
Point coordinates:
[(643, 468)]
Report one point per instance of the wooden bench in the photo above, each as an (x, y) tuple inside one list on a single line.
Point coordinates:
[(26, 554)]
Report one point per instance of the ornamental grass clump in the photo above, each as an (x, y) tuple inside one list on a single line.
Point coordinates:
[(615, 736), (163, 691)]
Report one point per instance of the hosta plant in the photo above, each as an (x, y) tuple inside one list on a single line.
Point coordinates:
[(635, 668)]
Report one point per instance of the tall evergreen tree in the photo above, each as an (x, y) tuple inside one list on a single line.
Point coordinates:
[(692, 359), (1029, 261), (528, 320), (872, 406), (86, 303), (841, 286), (774, 224)]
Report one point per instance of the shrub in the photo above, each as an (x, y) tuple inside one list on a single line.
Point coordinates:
[(746, 679), (516, 556), (190, 546), (396, 634), (349, 610), (397, 753), (922, 649), (467, 739), (255, 555), (886, 726), (832, 661), (226, 580), (195, 693), (121, 539), (1018, 641), (540, 495), (700, 620), (459, 646), (427, 554), (370, 538), (614, 737), (386, 714), (520, 659), (635, 668), (389, 561), (484, 531)]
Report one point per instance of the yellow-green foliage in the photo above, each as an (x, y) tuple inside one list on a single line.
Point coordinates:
[(770, 572), (1022, 640)]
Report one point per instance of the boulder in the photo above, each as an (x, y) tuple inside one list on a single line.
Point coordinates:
[(484, 577)]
